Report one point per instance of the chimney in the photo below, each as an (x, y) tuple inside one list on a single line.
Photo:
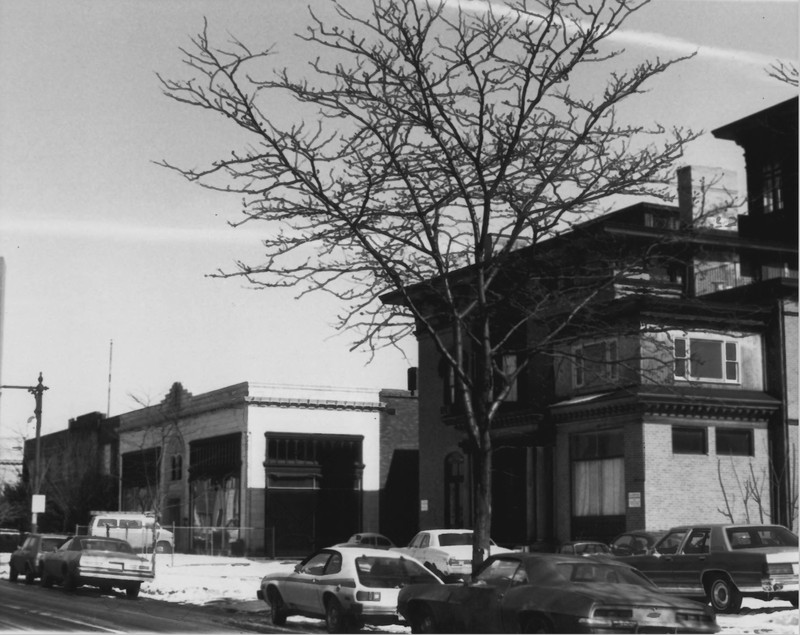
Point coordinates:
[(707, 197)]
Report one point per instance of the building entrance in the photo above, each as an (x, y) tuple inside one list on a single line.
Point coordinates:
[(313, 493)]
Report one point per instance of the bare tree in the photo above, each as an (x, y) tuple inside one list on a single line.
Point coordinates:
[(74, 481), (157, 436), (785, 72), (425, 132)]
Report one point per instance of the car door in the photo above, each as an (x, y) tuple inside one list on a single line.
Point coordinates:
[(300, 590), (329, 580), (658, 565), (421, 541), (690, 560), (485, 595)]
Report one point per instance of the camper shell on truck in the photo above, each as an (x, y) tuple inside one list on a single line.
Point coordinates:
[(140, 529)]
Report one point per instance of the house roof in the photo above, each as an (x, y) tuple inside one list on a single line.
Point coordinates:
[(762, 119)]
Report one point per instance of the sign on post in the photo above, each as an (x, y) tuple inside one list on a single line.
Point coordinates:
[(37, 503)]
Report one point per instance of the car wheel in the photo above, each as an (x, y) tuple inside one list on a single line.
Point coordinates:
[(30, 576), (277, 606), (334, 616), (163, 547), (132, 590), (46, 580), (12, 573), (724, 596), (536, 624), (423, 621)]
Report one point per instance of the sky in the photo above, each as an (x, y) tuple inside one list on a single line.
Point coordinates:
[(102, 245)]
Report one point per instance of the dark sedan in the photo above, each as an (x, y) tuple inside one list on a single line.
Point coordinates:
[(548, 593), (26, 560)]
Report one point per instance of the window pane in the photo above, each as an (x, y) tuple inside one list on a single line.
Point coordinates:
[(688, 440), (603, 444), (598, 487), (734, 442), (706, 360)]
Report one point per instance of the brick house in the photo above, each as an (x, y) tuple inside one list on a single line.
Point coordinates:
[(290, 468), (664, 418)]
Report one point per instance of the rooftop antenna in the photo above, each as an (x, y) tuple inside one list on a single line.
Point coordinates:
[(110, 354)]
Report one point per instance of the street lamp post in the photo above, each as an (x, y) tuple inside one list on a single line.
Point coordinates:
[(37, 391)]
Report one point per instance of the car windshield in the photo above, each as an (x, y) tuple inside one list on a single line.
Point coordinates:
[(760, 536), (375, 571), (600, 573), (106, 545), (453, 539)]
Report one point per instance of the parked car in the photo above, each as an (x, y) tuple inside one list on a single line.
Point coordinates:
[(139, 529), (724, 563), (26, 560), (346, 587), (583, 548), (368, 539), (446, 552), (550, 593), (634, 543), (100, 562)]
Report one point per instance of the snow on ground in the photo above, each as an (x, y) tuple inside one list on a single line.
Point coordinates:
[(232, 583)]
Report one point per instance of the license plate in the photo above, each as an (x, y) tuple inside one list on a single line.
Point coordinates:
[(116, 565)]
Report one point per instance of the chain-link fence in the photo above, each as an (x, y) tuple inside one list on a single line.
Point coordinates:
[(211, 541)]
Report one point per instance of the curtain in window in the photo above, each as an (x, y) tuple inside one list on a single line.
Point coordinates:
[(598, 487)]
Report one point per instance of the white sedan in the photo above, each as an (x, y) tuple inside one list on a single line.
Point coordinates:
[(347, 586), (446, 552)]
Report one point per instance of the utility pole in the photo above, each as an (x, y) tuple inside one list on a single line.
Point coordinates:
[(37, 391)]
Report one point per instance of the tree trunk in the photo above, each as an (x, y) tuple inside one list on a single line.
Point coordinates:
[(482, 522)]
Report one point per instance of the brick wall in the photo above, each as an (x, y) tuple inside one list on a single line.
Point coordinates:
[(685, 488)]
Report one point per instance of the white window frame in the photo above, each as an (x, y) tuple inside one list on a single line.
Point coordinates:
[(610, 371), (683, 358)]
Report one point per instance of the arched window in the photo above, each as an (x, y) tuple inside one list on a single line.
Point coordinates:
[(454, 483)]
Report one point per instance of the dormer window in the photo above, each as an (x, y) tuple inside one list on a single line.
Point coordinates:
[(772, 188)]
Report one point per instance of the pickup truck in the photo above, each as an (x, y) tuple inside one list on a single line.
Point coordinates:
[(724, 563), (139, 529)]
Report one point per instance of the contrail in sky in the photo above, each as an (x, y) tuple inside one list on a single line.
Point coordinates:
[(659, 41), (129, 233)]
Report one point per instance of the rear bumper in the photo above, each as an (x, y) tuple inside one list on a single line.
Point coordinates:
[(93, 574)]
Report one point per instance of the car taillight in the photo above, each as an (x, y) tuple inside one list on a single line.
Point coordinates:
[(619, 620), (368, 596), (779, 568)]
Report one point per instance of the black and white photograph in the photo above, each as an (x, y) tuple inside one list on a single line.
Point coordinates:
[(399, 316)]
